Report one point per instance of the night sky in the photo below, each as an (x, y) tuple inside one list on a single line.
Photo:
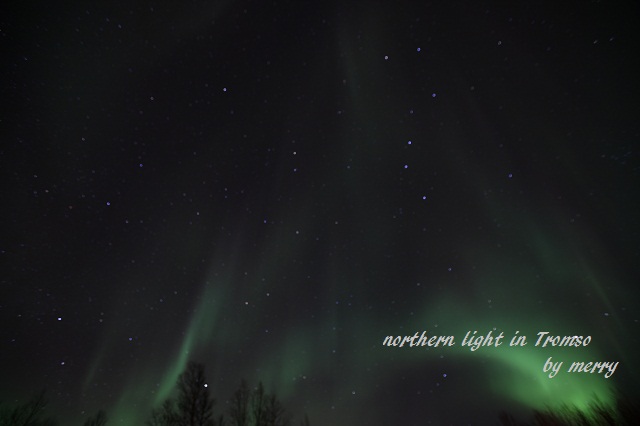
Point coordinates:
[(272, 188)]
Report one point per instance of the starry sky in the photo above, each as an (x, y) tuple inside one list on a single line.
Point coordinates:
[(271, 188)]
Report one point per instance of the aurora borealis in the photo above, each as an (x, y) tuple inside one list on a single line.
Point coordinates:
[(272, 188)]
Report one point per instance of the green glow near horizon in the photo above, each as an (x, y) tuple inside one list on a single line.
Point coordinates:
[(303, 352), (548, 285), (526, 294)]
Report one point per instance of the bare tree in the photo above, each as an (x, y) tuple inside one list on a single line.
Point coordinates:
[(266, 409), (258, 406), (239, 410), (275, 414), (27, 414), (164, 416), (195, 405), (100, 419)]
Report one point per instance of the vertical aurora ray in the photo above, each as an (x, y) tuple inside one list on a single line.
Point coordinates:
[(203, 329), (154, 382), (272, 189), (517, 274)]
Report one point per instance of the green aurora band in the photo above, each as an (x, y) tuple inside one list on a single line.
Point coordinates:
[(521, 282), (307, 351)]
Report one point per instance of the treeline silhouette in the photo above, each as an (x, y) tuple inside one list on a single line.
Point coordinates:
[(192, 406), (27, 414), (31, 413), (624, 412)]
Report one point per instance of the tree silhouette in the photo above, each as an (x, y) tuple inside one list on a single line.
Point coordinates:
[(195, 405), (164, 416), (258, 406), (27, 414), (266, 409), (625, 411), (276, 415), (100, 419), (305, 421), (239, 410)]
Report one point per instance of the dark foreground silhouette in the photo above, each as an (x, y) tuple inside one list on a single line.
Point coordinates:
[(625, 411), (192, 406)]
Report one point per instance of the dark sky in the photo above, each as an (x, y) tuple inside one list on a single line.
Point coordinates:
[(272, 188)]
